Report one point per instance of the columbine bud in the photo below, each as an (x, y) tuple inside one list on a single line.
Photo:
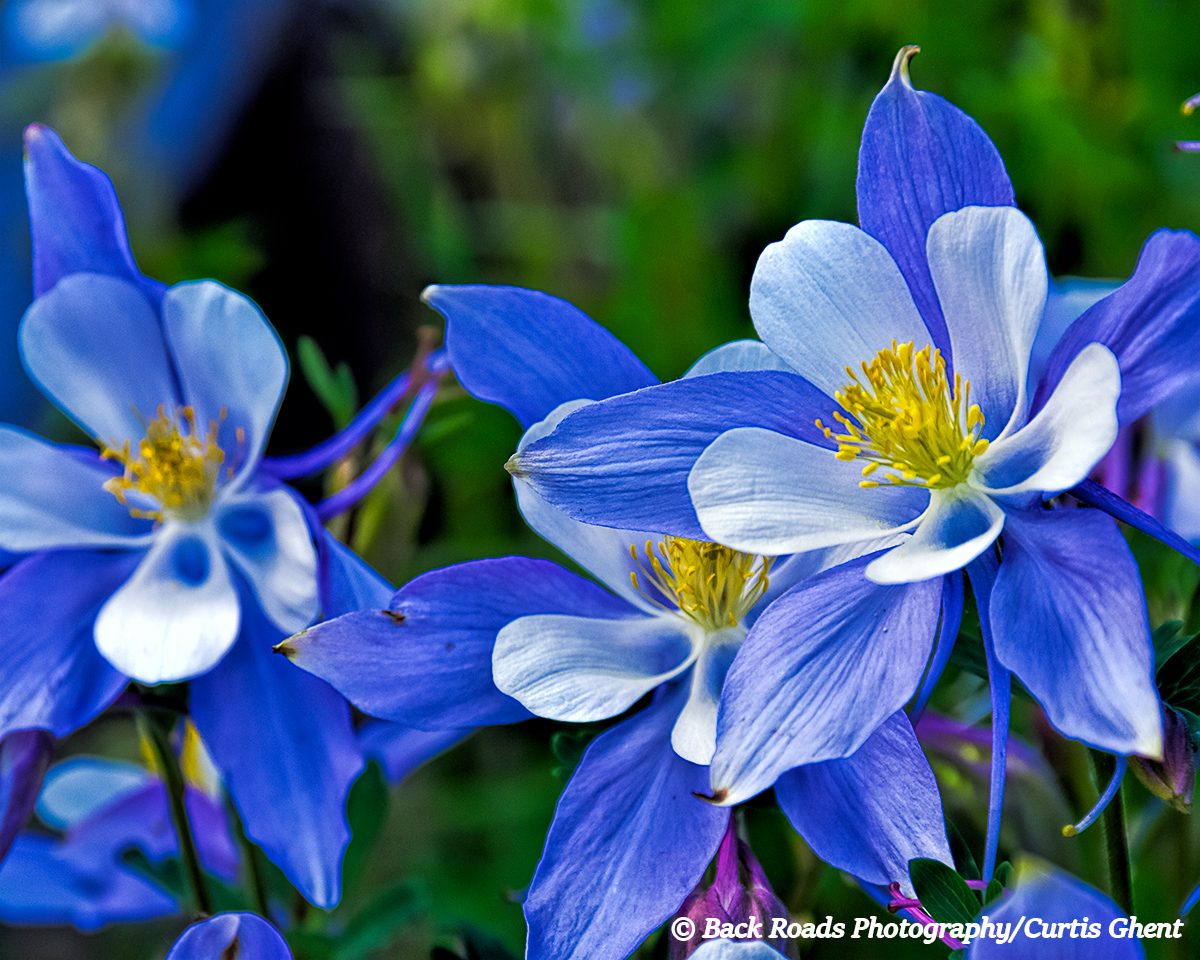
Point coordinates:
[(740, 894), (1174, 777)]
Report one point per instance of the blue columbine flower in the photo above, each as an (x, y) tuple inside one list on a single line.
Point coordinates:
[(230, 935), (103, 808), (1051, 915), (903, 408), (493, 641), (175, 551)]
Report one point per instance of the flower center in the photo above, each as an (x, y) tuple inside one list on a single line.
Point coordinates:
[(174, 464), (711, 584), (904, 416)]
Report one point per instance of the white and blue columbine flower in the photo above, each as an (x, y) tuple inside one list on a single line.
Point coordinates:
[(175, 551), (899, 407), (493, 641)]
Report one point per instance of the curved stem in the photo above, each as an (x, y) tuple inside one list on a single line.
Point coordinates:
[(1114, 784), (983, 575), (172, 776)]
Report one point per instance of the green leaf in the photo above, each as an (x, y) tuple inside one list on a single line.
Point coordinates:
[(968, 653), (377, 924), (960, 850), (994, 889), (168, 874), (472, 944), (334, 388), (1003, 875), (366, 811), (1167, 640), (1179, 678), (568, 747), (944, 895), (437, 427)]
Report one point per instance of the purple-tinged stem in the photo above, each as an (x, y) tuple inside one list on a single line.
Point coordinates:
[(341, 443), (365, 482)]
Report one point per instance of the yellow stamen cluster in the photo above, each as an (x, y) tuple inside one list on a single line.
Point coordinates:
[(906, 418), (174, 464), (713, 585)]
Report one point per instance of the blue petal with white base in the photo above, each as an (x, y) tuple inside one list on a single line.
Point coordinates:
[(74, 217), (873, 811), (1151, 323), (863, 646), (627, 822), (51, 675), (922, 157), (443, 625), (289, 746), (529, 351), (1069, 618), (625, 462)]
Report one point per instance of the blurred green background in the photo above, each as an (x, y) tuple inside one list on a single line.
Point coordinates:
[(633, 158)]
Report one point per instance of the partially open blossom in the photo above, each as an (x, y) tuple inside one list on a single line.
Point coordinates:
[(740, 895)]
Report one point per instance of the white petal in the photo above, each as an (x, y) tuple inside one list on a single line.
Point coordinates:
[(694, 736), (990, 274), (267, 538), (1058, 448), (229, 358), (178, 614), (829, 296), (604, 551), (958, 526), (738, 355), (762, 492), (581, 669)]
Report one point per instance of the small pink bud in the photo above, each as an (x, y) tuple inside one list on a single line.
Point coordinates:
[(739, 897), (1174, 777)]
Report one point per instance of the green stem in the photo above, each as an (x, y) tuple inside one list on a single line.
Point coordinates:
[(1120, 877), (254, 876), (172, 776)]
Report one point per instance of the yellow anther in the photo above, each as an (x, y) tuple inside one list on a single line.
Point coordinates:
[(713, 585), (868, 484), (903, 413), (174, 464)]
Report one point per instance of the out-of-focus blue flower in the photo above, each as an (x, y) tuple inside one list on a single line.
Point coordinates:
[(230, 935), (36, 30), (104, 807), (1045, 897), (493, 641), (175, 552), (903, 408)]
